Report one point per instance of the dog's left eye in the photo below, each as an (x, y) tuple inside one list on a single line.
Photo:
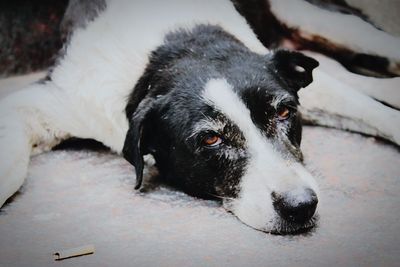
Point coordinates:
[(283, 113), (211, 140)]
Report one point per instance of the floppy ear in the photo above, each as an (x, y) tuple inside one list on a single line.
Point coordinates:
[(294, 67), (134, 146)]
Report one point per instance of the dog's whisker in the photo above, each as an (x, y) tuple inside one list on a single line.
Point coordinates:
[(221, 197)]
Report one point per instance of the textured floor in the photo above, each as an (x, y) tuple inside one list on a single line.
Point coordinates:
[(76, 198)]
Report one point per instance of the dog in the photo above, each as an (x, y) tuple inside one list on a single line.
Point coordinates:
[(191, 84)]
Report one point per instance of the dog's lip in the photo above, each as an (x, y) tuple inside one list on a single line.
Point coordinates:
[(282, 227)]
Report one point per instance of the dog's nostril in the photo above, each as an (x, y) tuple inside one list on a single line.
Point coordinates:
[(296, 207)]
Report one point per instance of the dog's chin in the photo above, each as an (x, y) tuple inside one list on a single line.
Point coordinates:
[(283, 227)]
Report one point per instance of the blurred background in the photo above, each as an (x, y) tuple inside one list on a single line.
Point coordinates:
[(32, 32)]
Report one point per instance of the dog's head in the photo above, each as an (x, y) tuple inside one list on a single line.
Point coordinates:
[(222, 122)]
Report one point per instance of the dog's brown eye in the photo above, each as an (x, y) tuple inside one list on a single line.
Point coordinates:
[(212, 140), (283, 113)]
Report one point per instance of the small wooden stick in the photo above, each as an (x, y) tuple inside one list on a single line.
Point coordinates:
[(73, 252)]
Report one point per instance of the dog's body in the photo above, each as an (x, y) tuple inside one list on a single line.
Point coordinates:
[(217, 111)]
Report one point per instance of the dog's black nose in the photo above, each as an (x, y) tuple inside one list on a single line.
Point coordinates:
[(295, 206)]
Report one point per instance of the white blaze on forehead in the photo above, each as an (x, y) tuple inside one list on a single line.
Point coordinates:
[(266, 170)]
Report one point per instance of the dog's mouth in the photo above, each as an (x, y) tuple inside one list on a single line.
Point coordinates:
[(283, 227), (278, 225)]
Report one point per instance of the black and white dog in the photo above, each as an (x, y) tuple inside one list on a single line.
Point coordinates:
[(191, 84)]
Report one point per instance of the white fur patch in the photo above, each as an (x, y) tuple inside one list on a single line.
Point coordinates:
[(345, 30), (266, 172)]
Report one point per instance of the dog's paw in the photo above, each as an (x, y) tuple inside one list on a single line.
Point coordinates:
[(150, 174)]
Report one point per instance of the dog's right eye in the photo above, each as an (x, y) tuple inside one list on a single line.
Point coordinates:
[(283, 113), (211, 140)]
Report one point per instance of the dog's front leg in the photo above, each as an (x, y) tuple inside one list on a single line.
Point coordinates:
[(385, 90), (31, 121), (330, 102)]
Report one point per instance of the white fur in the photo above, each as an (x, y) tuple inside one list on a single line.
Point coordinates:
[(344, 30), (386, 90), (330, 102), (266, 172)]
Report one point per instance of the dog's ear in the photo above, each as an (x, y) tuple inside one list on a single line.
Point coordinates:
[(135, 145), (295, 68)]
